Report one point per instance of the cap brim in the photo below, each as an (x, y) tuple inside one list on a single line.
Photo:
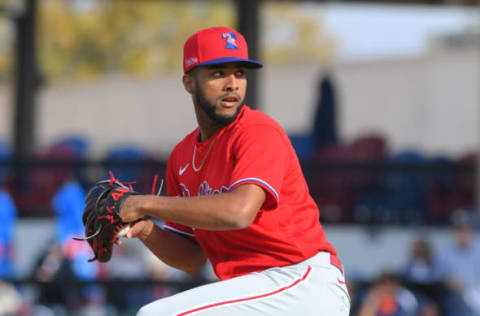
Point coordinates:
[(248, 63)]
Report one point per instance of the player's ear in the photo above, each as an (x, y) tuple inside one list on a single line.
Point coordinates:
[(188, 83)]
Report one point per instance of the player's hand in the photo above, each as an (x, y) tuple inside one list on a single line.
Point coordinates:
[(140, 229)]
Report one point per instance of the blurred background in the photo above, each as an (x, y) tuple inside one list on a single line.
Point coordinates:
[(380, 100)]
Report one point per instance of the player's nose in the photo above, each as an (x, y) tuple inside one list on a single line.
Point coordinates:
[(231, 83)]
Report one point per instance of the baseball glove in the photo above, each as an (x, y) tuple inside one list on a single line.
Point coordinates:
[(101, 217)]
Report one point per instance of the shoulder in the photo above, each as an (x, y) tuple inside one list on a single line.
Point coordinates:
[(254, 120), (257, 123), (254, 117), (188, 140)]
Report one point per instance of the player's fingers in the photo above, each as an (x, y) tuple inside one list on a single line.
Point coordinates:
[(135, 229), (140, 228)]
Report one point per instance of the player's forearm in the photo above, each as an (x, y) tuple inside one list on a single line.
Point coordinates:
[(175, 250), (218, 212), (226, 211)]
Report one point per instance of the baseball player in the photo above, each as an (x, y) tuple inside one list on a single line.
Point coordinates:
[(237, 197)]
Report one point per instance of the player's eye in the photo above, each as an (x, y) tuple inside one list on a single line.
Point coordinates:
[(240, 73), (217, 74)]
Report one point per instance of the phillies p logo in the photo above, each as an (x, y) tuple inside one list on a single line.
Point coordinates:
[(231, 40)]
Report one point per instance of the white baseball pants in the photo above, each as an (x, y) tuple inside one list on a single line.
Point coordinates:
[(311, 287)]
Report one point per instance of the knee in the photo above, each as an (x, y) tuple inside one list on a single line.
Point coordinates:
[(160, 307), (146, 310)]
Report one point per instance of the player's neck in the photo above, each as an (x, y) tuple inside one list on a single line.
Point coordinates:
[(206, 125), (207, 132)]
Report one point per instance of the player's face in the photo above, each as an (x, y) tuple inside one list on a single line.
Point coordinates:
[(220, 91)]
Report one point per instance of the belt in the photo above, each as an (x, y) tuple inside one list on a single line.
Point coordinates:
[(334, 261)]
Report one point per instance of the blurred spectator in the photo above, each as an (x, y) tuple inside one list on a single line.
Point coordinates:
[(325, 121), (48, 264), (65, 260), (388, 297), (10, 300), (126, 256), (405, 188), (8, 217), (77, 143), (463, 195), (422, 271), (128, 263), (68, 203), (132, 165), (440, 191), (324, 132), (461, 268), (56, 277), (5, 156), (332, 188), (48, 268), (119, 160), (43, 181), (78, 147), (422, 266)]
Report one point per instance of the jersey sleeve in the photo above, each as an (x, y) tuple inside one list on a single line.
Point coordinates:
[(261, 154), (173, 189)]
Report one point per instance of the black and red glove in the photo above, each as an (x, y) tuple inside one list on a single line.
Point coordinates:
[(101, 216)]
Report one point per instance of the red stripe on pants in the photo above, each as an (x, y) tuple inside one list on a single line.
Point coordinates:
[(249, 298)]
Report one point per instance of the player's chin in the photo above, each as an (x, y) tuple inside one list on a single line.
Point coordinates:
[(225, 117)]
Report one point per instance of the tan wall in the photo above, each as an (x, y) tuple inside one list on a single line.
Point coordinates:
[(119, 110), (429, 102), (6, 113)]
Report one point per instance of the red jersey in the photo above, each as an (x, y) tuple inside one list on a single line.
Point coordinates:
[(252, 149)]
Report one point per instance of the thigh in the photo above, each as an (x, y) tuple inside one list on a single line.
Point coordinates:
[(245, 295), (302, 289)]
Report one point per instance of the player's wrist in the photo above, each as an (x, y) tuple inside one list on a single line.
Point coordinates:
[(151, 206), (131, 209)]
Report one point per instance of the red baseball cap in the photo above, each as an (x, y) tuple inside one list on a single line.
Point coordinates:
[(216, 45)]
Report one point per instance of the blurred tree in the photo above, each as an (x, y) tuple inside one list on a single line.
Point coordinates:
[(140, 38), (293, 35), (82, 39), (6, 47)]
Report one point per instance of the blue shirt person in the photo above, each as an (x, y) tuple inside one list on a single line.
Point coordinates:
[(8, 218)]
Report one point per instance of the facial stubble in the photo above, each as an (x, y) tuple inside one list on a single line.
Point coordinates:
[(209, 109)]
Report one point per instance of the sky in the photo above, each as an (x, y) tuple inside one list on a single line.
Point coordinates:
[(373, 31)]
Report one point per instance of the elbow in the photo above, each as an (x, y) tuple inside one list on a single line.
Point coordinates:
[(244, 218), (243, 204), (243, 223)]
